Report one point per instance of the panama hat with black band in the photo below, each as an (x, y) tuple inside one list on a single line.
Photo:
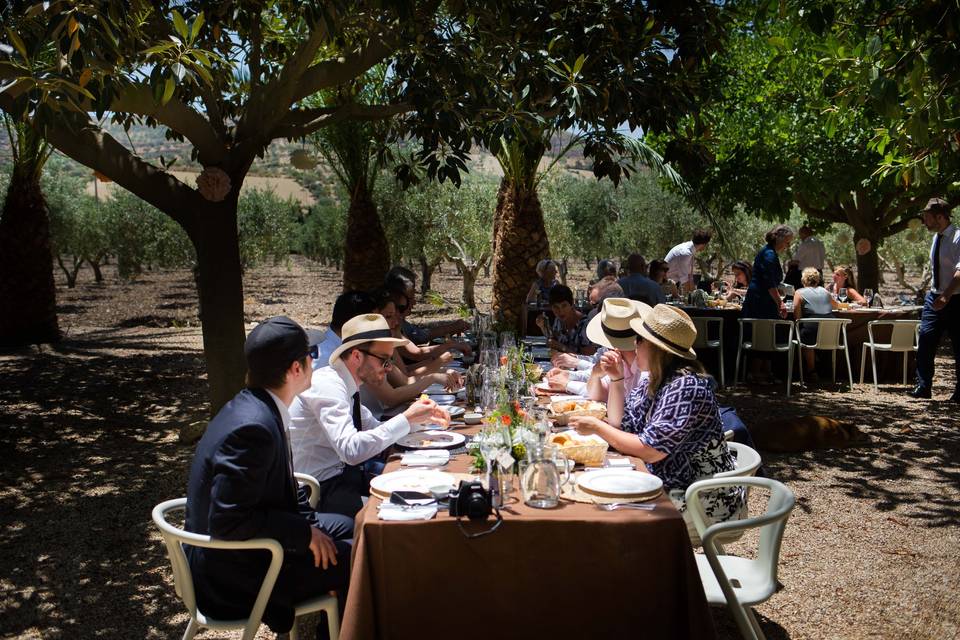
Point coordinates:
[(670, 329), (368, 327), (611, 327)]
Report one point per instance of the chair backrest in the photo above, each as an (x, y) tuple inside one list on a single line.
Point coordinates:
[(702, 323), (764, 336), (312, 486), (175, 538), (747, 461), (771, 524), (903, 333), (829, 331)]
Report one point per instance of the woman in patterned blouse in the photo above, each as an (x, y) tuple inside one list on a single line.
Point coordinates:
[(670, 420), (569, 331)]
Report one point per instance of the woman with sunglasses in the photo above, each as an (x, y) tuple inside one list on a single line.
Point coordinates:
[(670, 419), (436, 355)]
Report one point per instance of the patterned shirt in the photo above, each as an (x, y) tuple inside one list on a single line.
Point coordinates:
[(573, 340), (683, 421)]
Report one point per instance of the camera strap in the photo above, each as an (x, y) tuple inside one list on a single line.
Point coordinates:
[(478, 534)]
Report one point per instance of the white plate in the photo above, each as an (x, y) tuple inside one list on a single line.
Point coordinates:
[(411, 480), (432, 440), (435, 388), (443, 398), (619, 482), (456, 411)]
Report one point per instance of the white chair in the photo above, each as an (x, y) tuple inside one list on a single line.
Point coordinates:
[(832, 337), (764, 339), (731, 581), (312, 485), (704, 341), (904, 338), (746, 463), (175, 539)]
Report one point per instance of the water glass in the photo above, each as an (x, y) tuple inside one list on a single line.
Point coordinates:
[(868, 296), (507, 340), (842, 295)]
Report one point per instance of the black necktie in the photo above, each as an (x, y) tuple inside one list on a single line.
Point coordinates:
[(357, 424), (936, 262)]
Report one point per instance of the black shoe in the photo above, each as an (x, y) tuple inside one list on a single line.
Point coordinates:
[(920, 392)]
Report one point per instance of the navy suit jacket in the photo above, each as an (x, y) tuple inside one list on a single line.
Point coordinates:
[(241, 487)]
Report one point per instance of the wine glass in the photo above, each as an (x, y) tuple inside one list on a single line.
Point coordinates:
[(868, 296), (842, 295)]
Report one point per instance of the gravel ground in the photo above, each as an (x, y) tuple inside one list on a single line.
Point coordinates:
[(89, 430)]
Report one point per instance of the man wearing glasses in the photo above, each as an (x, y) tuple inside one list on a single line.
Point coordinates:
[(332, 434)]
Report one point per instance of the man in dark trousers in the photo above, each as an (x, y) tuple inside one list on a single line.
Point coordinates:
[(941, 308), (241, 486)]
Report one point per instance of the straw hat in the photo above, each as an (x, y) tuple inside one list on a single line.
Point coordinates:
[(670, 329), (368, 327), (611, 327)]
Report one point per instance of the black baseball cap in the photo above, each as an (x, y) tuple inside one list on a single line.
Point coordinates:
[(275, 343)]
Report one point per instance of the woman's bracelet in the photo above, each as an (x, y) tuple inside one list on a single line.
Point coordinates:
[(616, 379)]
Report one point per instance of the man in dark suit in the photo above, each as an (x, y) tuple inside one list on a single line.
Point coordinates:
[(241, 486)]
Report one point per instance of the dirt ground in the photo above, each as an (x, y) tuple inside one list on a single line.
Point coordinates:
[(89, 434)]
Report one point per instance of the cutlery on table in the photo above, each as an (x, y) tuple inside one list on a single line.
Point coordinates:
[(643, 506)]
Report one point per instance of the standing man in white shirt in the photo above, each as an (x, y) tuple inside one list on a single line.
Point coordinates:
[(941, 308), (332, 434), (680, 259), (810, 252)]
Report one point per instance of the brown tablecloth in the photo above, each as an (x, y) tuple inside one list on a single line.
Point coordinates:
[(889, 366), (573, 571)]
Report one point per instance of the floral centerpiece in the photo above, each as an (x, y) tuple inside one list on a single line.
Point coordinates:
[(516, 424)]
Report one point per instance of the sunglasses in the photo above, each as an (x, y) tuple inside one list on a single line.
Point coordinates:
[(385, 361), (314, 351)]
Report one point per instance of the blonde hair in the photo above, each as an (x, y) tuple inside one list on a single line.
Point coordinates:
[(810, 277), (664, 365), (849, 282)]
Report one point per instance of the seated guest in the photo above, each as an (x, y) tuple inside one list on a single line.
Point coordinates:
[(402, 280), (607, 268), (347, 305), (793, 277), (843, 279), (568, 333), (671, 420), (331, 434), (241, 486), (547, 271), (617, 366), (637, 286), (400, 384), (742, 273), (432, 356), (658, 273), (811, 301)]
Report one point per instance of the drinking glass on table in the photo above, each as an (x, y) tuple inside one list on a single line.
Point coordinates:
[(507, 339), (868, 296), (842, 295)]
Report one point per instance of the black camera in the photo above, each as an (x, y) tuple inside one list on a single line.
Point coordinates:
[(470, 500)]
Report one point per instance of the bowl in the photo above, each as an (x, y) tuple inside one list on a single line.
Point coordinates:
[(472, 418)]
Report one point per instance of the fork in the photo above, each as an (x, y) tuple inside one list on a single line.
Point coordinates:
[(643, 506)]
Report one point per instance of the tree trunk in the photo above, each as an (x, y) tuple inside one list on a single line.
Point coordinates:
[(868, 265), (26, 266), (71, 275), (520, 242), (367, 252), (564, 270), (97, 273), (426, 274), (469, 285), (220, 291)]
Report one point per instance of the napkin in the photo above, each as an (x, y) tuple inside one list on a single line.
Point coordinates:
[(425, 458), (620, 463), (397, 512)]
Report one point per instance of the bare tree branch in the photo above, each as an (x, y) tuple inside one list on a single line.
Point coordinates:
[(332, 73), (299, 126), (833, 213)]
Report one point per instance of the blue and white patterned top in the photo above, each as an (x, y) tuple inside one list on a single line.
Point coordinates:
[(683, 421), (575, 339)]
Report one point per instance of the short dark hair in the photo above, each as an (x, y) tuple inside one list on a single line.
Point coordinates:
[(657, 265), (350, 304), (606, 268), (270, 376), (381, 298), (399, 278), (636, 263), (778, 233), (560, 293), (702, 236)]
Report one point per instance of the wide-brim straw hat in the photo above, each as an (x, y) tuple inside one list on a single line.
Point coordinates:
[(369, 327), (611, 328), (670, 329)]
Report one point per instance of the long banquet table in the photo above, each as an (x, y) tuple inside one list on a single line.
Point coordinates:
[(889, 366), (573, 571)]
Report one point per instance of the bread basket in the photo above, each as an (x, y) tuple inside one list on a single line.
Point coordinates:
[(562, 416), (590, 451)]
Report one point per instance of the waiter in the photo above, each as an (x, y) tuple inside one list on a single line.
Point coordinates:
[(941, 308)]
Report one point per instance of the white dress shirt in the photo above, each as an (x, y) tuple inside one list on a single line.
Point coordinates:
[(810, 253), (680, 261), (322, 434), (949, 257), (330, 343)]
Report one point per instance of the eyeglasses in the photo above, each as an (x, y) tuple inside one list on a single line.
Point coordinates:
[(385, 361), (314, 351)]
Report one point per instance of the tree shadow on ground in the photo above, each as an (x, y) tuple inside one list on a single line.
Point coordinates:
[(88, 449)]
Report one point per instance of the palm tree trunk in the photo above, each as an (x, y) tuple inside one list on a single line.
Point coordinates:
[(26, 265), (520, 242), (367, 252)]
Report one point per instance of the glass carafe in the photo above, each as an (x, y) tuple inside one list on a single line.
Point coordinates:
[(542, 480)]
